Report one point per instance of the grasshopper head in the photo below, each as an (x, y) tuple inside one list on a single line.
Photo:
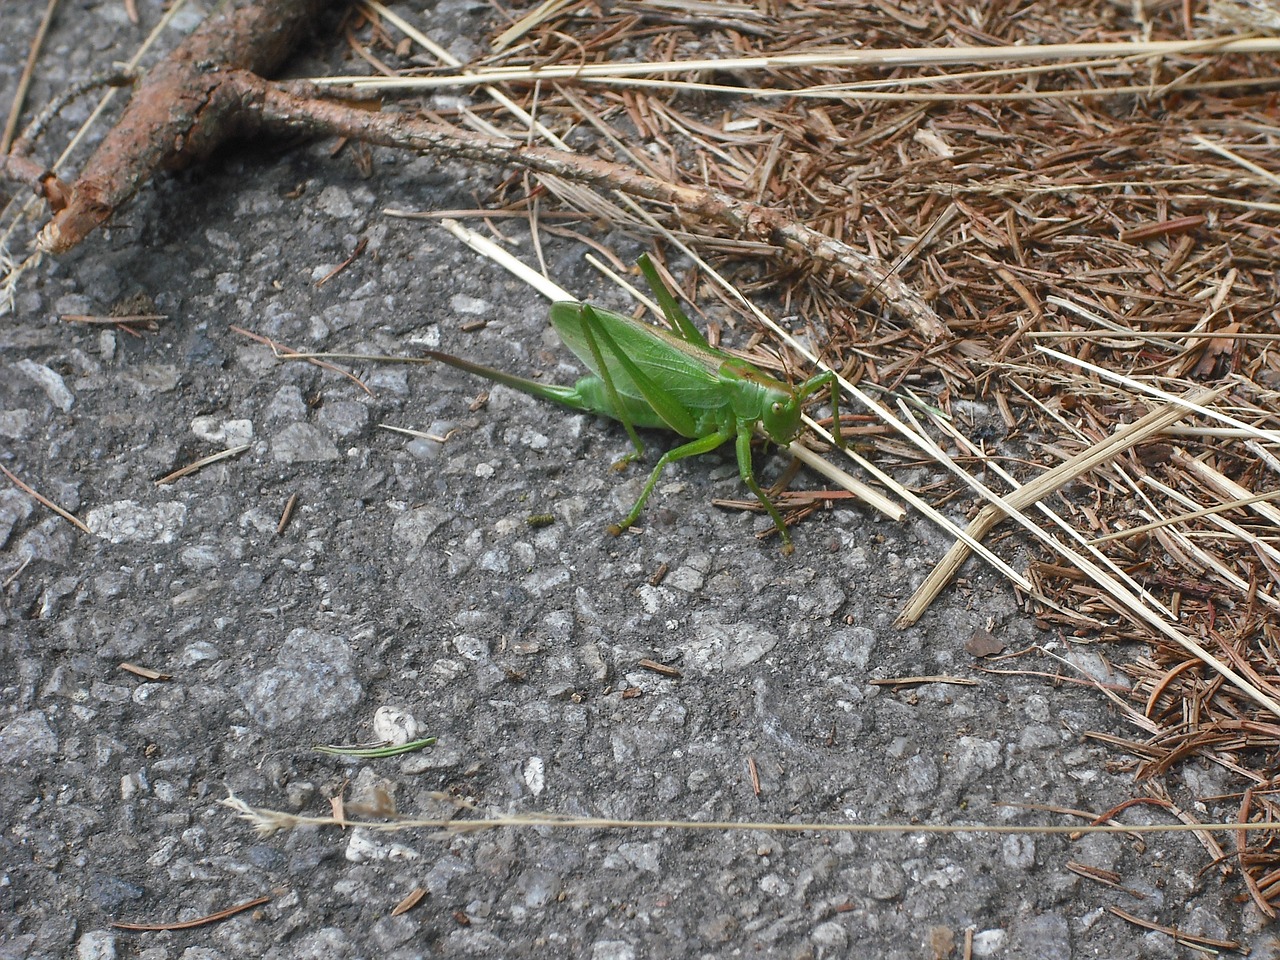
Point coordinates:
[(780, 415)]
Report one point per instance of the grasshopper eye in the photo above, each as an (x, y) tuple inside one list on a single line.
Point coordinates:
[(776, 408)]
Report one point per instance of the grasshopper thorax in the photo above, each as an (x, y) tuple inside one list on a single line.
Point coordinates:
[(759, 398)]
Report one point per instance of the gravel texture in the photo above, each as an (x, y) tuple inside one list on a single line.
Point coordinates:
[(409, 597)]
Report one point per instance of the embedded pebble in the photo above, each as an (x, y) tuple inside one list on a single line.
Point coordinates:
[(362, 847), (989, 943), (199, 652), (887, 881), (153, 378), (433, 759), (302, 443), (472, 306), (15, 507), (286, 404), (830, 936), (127, 521), (346, 205), (1018, 852), (344, 418), (973, 757), (229, 433), (851, 645), (715, 645), (638, 856), (313, 678), (96, 945), (774, 885), (112, 893), (388, 380), (1046, 936), (15, 424), (54, 387), (686, 579), (200, 558), (27, 736), (920, 776), (473, 648), (395, 726), (414, 528)]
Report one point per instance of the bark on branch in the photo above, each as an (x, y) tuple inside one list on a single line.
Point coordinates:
[(179, 114)]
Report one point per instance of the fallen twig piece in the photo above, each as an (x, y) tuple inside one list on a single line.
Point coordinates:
[(145, 672), (288, 109), (1181, 936), (199, 921), (201, 463), (70, 518)]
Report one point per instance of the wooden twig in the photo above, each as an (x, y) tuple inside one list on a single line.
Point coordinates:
[(64, 514), (181, 112), (198, 922), (287, 109)]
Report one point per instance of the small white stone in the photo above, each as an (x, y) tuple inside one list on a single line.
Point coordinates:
[(362, 848), (653, 599), (127, 521), (474, 306), (51, 383), (238, 432), (988, 943), (473, 648), (535, 775), (97, 945), (395, 726), (774, 885)]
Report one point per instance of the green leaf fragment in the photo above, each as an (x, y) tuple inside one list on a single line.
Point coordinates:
[(374, 752)]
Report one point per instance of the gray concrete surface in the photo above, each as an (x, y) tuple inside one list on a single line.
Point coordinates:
[(409, 579)]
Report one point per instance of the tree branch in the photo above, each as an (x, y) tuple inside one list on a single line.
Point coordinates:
[(180, 113), (293, 109)]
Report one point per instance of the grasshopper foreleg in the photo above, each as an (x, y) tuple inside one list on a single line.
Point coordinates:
[(816, 383), (748, 475)]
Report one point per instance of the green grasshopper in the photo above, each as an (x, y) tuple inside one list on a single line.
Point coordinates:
[(647, 376)]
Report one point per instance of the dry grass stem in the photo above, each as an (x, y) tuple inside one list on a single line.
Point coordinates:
[(266, 822), (902, 57), (24, 79)]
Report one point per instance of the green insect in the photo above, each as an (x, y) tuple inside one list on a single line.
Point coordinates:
[(647, 376)]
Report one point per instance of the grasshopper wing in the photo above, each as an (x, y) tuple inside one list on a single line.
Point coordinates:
[(680, 380)]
